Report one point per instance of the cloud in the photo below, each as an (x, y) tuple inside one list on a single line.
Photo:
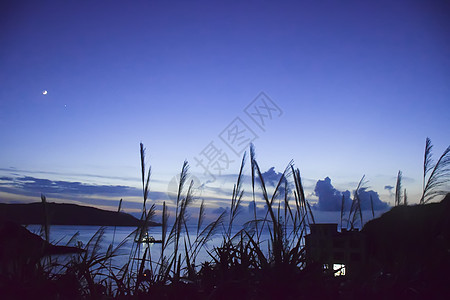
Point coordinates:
[(26, 188), (28, 184), (365, 197), (330, 199), (271, 177), (32, 186), (259, 210), (15, 171), (389, 188)]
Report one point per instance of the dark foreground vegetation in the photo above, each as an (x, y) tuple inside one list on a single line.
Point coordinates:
[(408, 250)]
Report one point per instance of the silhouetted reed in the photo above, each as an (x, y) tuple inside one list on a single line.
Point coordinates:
[(271, 268), (435, 175)]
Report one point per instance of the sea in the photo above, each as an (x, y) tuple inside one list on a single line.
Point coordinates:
[(68, 235)]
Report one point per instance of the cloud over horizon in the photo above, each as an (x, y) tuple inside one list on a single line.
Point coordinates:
[(271, 177), (91, 194), (28, 184), (390, 189), (330, 199)]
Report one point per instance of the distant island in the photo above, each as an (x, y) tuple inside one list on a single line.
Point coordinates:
[(66, 214)]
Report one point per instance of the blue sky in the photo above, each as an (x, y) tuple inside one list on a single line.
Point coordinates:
[(350, 88)]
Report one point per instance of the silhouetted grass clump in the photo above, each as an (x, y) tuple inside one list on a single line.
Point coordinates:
[(244, 265)]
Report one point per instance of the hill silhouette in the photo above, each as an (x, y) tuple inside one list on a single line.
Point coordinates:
[(412, 242), (66, 214), (409, 232)]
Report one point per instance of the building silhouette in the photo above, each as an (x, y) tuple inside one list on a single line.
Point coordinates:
[(335, 253)]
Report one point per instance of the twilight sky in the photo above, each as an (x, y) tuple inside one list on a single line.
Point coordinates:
[(343, 88)]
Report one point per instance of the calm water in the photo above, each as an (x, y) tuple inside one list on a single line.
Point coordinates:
[(62, 234)]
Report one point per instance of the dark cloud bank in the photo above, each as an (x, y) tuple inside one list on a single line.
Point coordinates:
[(32, 185), (68, 190), (330, 199)]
